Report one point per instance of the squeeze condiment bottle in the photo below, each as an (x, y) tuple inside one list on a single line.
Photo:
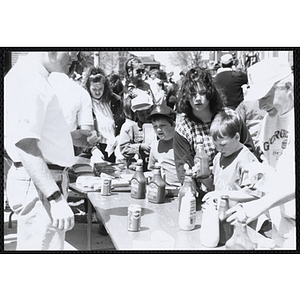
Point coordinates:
[(240, 239), (187, 214), (188, 182), (210, 230), (157, 186), (201, 161), (138, 182)]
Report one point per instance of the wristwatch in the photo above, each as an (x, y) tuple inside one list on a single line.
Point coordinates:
[(54, 196)]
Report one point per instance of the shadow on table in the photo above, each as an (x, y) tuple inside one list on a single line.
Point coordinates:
[(119, 211)]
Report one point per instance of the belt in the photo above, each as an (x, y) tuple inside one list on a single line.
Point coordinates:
[(50, 166)]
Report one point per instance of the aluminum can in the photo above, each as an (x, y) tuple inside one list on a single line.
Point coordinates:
[(134, 218), (106, 186)]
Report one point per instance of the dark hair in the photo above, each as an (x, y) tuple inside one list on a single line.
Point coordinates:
[(189, 88), (96, 74), (162, 84), (132, 63), (116, 84), (229, 65), (226, 123)]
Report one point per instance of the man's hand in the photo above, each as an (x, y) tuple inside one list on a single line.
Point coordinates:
[(93, 139), (212, 195), (250, 211), (79, 137), (62, 214)]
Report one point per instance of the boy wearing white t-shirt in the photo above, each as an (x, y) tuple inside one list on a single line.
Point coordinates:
[(163, 121)]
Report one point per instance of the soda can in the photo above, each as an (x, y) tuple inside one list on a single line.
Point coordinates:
[(134, 218), (106, 186)]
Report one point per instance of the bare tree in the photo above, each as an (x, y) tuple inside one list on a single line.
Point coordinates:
[(186, 59), (109, 61)]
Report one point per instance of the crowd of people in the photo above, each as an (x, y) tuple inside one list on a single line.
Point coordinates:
[(244, 120)]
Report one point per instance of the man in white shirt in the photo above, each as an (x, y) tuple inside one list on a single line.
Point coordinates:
[(38, 141), (271, 83), (75, 101)]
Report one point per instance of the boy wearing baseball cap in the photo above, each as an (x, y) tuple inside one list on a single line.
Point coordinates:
[(271, 83), (163, 121)]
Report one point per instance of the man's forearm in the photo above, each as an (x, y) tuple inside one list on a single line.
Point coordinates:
[(275, 198), (35, 165)]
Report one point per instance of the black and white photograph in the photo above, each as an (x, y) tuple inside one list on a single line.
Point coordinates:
[(149, 150)]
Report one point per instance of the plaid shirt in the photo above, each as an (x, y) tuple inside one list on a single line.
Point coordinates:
[(190, 129)]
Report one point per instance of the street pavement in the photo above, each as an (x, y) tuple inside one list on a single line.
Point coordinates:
[(76, 239)]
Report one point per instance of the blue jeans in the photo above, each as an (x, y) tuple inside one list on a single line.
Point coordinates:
[(35, 230)]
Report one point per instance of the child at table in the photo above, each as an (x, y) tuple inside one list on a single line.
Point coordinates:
[(236, 171), (163, 122), (131, 140)]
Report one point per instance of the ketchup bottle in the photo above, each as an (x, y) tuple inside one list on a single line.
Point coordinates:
[(138, 182), (157, 187), (201, 161)]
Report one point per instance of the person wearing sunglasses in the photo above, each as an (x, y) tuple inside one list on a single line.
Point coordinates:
[(139, 98), (135, 72)]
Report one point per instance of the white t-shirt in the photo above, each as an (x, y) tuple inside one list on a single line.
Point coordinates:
[(32, 111), (75, 101), (278, 144), (276, 134), (235, 176), (163, 153)]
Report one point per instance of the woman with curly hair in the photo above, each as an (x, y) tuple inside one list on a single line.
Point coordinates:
[(107, 110), (199, 102)]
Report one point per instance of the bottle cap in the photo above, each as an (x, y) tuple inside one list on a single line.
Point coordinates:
[(187, 169), (139, 162)]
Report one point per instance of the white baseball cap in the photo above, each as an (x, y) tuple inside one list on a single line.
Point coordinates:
[(142, 101), (264, 74), (226, 59)]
